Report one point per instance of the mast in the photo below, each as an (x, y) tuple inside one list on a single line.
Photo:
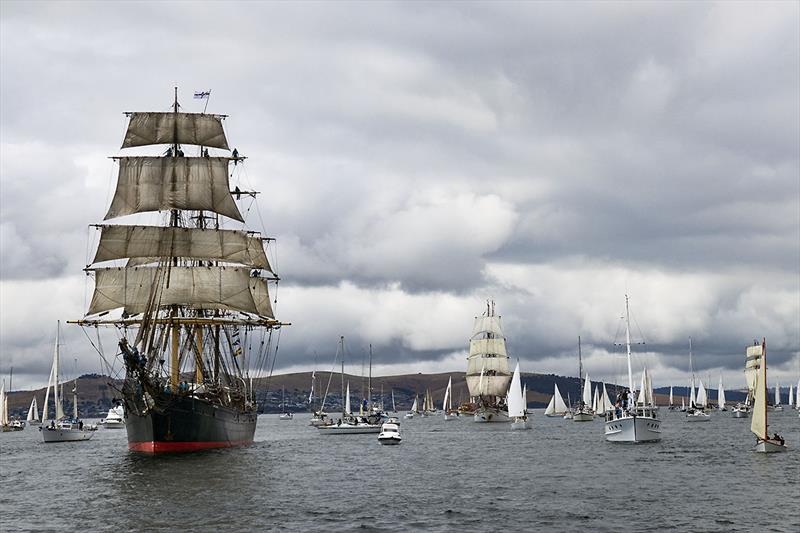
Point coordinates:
[(628, 342), (341, 341), (369, 381), (75, 391), (580, 365)]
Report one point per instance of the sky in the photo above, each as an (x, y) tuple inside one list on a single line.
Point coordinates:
[(416, 159)]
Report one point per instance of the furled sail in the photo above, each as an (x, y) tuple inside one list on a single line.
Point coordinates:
[(164, 183), (203, 287), (145, 244), (175, 128)]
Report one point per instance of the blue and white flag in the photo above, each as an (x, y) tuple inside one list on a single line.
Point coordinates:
[(199, 95)]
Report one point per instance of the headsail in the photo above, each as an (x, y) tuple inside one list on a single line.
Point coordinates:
[(516, 407), (200, 129)]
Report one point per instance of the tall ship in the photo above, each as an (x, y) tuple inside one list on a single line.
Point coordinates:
[(189, 299), (488, 376)]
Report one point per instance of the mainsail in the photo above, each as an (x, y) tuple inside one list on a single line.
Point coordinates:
[(487, 363), (702, 396), (587, 391), (721, 396), (758, 424), (777, 393), (516, 405)]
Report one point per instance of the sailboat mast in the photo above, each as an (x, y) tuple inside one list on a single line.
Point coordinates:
[(628, 342), (691, 364), (369, 380), (764, 362), (75, 391), (341, 342), (580, 364)]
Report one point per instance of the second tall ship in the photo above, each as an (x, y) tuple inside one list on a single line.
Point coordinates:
[(187, 297), (487, 368)]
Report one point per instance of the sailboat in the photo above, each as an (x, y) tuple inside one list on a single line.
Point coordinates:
[(752, 359), (777, 405), (394, 408), (758, 424), (63, 428), (632, 423), (4, 421), (671, 401), (516, 403), (791, 397), (721, 396), (192, 294), (414, 408), (349, 423), (428, 408), (604, 404), (696, 411), (33, 413), (286, 415), (447, 403), (487, 368), (583, 410), (556, 407)]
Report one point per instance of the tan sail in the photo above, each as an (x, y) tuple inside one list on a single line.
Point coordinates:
[(201, 287), (163, 183), (758, 423), (175, 128), (146, 244)]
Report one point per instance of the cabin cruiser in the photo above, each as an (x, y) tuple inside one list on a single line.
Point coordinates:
[(115, 419), (390, 432)]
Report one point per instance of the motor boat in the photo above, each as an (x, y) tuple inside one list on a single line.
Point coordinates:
[(390, 432)]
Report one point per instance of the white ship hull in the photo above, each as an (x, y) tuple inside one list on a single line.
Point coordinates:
[(484, 414), (741, 413), (114, 424), (633, 429), (65, 435), (766, 446)]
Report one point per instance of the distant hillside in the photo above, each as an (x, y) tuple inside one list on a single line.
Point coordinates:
[(96, 391)]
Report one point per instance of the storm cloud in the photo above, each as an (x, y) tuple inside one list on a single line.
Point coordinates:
[(417, 159)]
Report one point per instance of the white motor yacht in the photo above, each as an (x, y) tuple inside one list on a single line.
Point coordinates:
[(115, 419), (390, 432)]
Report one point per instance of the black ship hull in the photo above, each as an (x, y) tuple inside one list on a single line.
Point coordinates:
[(188, 424)]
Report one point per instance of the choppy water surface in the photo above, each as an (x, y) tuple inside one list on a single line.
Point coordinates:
[(445, 476)]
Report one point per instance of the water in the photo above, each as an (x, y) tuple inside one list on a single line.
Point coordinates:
[(445, 476)]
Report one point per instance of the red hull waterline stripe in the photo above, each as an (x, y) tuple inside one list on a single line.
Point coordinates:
[(167, 447)]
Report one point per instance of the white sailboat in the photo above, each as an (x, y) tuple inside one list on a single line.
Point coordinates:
[(447, 403), (632, 423), (516, 403), (286, 415), (583, 410), (777, 405), (487, 368), (349, 424), (671, 400), (604, 404), (556, 407), (4, 421), (721, 396), (414, 408), (696, 411), (33, 414), (758, 424), (63, 428)]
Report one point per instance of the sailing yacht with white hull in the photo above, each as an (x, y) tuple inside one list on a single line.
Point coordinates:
[(758, 424), (63, 428), (556, 407), (487, 368), (696, 411), (516, 403), (33, 414), (632, 423), (583, 410)]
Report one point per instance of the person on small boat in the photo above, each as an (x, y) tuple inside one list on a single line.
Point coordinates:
[(778, 438)]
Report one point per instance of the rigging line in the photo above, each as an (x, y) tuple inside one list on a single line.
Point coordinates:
[(274, 358)]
